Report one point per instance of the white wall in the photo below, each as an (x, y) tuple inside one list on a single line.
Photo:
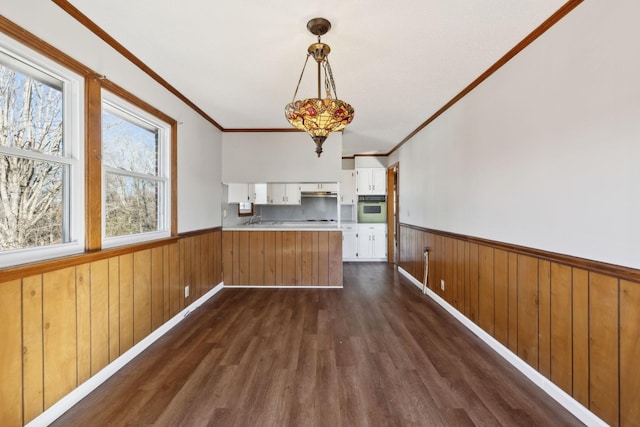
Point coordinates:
[(199, 142), (279, 157), (546, 152)]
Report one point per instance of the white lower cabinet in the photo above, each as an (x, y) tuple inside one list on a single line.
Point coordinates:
[(349, 242), (372, 242)]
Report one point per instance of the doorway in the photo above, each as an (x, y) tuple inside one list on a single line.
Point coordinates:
[(393, 200)]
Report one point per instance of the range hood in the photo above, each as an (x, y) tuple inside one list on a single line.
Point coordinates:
[(318, 194)]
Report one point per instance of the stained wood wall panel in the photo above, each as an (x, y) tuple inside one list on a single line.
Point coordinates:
[(243, 258), (83, 321), (270, 254), (513, 302), (460, 276), (288, 258), (323, 258), (227, 258), (306, 252), (335, 259), (579, 328), (60, 327), (486, 290), (561, 330), (99, 315), (544, 318), (298, 258), (11, 353), (501, 295), (167, 283), (196, 276), (285, 258), (603, 347), (157, 288), (60, 346), (126, 302), (256, 258), (279, 259), (32, 357), (528, 309), (580, 323), (141, 295), (473, 291), (176, 296), (184, 267), (449, 271), (629, 352), (114, 308)]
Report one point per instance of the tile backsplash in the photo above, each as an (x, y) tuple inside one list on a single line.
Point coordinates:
[(309, 209)]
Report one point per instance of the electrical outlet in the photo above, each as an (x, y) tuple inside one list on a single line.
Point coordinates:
[(186, 291), (442, 284)]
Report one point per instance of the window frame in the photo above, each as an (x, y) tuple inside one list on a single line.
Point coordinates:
[(112, 102), (31, 62)]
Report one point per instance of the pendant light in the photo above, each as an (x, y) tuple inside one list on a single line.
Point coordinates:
[(319, 116)]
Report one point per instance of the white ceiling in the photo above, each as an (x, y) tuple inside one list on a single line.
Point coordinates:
[(396, 63)]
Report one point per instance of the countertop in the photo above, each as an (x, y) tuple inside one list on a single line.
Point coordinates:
[(285, 225)]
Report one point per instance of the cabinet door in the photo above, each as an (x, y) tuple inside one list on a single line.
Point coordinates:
[(276, 194), (308, 186), (259, 193), (379, 243), (349, 245), (379, 181), (348, 188), (363, 181), (319, 186), (364, 244), (328, 186), (292, 194), (238, 193)]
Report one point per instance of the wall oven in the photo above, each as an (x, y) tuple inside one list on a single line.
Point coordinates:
[(372, 209)]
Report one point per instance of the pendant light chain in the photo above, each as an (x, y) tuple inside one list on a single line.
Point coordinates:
[(327, 71), (300, 79)]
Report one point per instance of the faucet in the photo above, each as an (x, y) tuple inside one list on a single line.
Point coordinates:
[(254, 217)]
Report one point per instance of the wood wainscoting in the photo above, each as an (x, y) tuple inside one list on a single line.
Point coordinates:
[(282, 258), (577, 322), (61, 326)]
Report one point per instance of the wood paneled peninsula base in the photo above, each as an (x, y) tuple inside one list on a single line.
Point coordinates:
[(274, 257)]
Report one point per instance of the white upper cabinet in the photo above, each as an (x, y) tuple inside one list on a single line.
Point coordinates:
[(259, 193), (371, 181), (239, 193), (283, 194), (319, 186), (243, 192), (348, 194)]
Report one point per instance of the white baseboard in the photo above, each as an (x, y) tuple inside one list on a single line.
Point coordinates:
[(64, 404), (283, 287), (555, 392)]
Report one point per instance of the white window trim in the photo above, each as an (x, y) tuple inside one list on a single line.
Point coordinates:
[(73, 129), (163, 178)]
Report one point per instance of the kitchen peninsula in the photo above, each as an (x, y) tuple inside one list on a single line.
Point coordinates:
[(282, 254)]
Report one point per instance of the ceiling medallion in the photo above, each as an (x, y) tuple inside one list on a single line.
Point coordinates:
[(319, 116)]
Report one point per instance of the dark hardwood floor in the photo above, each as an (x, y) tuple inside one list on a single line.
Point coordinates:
[(376, 353)]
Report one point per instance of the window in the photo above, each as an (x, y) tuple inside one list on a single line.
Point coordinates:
[(41, 169), (136, 184)]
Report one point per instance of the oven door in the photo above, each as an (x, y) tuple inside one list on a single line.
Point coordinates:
[(372, 212)]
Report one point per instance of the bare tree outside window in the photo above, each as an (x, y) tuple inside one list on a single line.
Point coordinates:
[(132, 186), (32, 208)]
